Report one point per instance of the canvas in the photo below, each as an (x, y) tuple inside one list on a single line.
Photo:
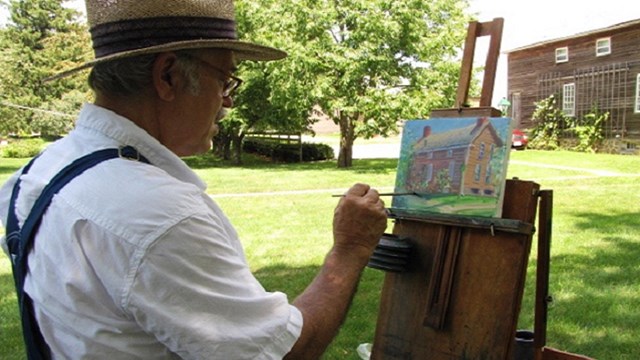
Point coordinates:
[(453, 166)]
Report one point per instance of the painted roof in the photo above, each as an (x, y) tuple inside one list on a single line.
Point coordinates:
[(455, 138)]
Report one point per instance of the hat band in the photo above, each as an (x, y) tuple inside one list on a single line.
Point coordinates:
[(127, 35)]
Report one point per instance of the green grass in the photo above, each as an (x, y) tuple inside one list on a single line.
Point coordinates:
[(595, 268)]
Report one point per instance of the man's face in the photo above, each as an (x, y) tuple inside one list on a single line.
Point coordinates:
[(198, 114)]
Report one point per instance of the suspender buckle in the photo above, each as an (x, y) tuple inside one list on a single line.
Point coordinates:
[(129, 153)]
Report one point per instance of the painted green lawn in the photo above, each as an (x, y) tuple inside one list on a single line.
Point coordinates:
[(283, 215)]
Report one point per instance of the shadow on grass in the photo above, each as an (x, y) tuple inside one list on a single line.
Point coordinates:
[(596, 309), (208, 161), (10, 169), (360, 166), (359, 326), (11, 345)]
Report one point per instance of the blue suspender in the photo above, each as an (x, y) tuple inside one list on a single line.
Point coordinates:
[(20, 240)]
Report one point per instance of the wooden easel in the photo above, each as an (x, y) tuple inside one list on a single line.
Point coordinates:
[(461, 297)]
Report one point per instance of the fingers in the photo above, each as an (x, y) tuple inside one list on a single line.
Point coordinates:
[(360, 219), (365, 191), (368, 194), (358, 190)]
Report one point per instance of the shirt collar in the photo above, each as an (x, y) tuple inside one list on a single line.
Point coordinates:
[(108, 125)]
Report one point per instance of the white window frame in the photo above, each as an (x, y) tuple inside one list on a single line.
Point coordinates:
[(487, 174), (452, 169), (428, 173), (603, 46), (569, 99), (562, 55), (476, 173), (637, 108)]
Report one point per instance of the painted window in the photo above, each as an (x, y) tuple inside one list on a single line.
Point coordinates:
[(449, 153), (476, 173), (603, 46), (487, 177), (427, 173), (481, 152), (569, 99), (638, 94), (452, 169), (562, 54)]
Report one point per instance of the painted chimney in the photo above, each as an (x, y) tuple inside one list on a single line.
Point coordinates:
[(479, 123), (426, 132)]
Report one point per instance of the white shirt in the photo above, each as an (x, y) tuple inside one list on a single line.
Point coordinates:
[(136, 261)]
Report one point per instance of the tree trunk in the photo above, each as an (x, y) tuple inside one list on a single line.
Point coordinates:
[(222, 146), (237, 148), (347, 136), (226, 149)]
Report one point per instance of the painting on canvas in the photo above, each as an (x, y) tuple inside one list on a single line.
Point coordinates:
[(453, 166)]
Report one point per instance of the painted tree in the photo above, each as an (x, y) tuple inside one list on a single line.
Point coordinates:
[(41, 38), (367, 63)]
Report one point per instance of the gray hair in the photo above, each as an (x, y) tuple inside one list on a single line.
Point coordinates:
[(131, 76)]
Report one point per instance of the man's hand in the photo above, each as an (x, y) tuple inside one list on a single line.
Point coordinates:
[(359, 221)]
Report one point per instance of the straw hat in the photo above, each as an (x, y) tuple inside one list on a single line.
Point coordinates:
[(125, 28)]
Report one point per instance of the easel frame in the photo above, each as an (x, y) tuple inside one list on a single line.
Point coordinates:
[(435, 310)]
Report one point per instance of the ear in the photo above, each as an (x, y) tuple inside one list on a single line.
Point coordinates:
[(165, 76)]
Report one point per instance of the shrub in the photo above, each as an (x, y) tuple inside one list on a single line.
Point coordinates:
[(283, 152), (590, 130), (23, 148), (549, 124)]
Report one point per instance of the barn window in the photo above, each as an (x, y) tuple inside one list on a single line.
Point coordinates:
[(562, 54), (638, 94), (637, 108), (569, 99), (603, 46)]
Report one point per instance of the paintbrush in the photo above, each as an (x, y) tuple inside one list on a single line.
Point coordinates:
[(385, 194)]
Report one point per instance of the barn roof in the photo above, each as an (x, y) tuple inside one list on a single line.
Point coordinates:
[(618, 26)]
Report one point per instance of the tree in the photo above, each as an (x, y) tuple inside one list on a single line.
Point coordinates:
[(367, 63), (42, 38), (273, 96)]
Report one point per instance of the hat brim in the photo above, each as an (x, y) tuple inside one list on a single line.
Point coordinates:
[(242, 51)]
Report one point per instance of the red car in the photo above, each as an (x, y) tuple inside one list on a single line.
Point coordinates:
[(519, 140)]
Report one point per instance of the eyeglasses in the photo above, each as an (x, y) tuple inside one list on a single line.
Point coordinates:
[(229, 85)]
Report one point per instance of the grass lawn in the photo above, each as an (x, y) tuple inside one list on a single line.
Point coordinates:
[(283, 215)]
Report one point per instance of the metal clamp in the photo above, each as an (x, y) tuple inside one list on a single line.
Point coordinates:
[(129, 153)]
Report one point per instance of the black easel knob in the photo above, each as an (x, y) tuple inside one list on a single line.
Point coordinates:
[(391, 254)]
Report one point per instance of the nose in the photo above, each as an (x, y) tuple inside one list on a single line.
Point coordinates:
[(227, 102)]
